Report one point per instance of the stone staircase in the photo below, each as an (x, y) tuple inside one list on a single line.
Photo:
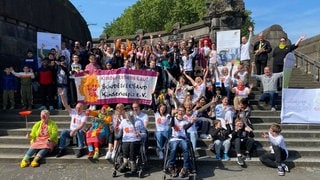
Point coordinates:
[(303, 140)]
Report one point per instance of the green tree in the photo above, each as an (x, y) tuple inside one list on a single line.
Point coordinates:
[(159, 15)]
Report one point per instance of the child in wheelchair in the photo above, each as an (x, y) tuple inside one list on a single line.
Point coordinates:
[(179, 139), (132, 133)]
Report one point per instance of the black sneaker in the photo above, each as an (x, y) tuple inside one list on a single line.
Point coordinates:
[(280, 171), (240, 161), (60, 153), (80, 153)]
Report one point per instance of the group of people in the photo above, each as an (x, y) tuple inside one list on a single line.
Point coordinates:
[(188, 101)]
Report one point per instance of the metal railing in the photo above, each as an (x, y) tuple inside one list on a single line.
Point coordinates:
[(308, 65)]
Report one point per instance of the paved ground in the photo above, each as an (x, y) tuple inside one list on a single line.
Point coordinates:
[(104, 171)]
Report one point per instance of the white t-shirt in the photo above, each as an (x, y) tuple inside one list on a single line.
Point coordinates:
[(188, 118), (162, 122), (198, 91), (130, 130), (143, 117), (244, 93), (76, 119), (178, 131)]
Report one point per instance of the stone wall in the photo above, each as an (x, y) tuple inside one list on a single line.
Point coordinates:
[(20, 20)]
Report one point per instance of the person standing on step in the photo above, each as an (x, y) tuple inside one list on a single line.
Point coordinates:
[(46, 81), (280, 52), (77, 125), (279, 151), (8, 86), (245, 49), (162, 118), (26, 77), (44, 137), (261, 50), (269, 84)]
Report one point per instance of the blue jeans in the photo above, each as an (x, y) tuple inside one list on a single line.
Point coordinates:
[(173, 152), (41, 152), (161, 138), (66, 134), (193, 136), (225, 144), (271, 95)]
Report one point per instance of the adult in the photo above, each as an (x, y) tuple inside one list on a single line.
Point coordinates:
[(77, 124), (280, 52), (261, 49), (43, 139), (269, 84), (132, 132), (162, 118), (245, 49), (117, 117), (179, 138)]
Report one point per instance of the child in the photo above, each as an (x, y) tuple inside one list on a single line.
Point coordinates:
[(220, 137), (279, 151), (91, 68), (75, 68), (244, 113), (26, 86), (9, 85), (62, 78), (46, 81), (242, 137)]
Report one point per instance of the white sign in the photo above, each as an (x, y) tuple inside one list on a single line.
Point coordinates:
[(300, 106), (228, 46), (49, 40)]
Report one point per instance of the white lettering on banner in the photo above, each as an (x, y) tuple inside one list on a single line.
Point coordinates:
[(300, 106), (116, 86)]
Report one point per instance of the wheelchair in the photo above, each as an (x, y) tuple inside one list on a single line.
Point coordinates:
[(192, 173), (141, 159)]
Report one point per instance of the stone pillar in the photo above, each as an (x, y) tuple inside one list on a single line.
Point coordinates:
[(224, 15)]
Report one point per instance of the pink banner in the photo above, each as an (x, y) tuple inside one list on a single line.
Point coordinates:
[(116, 86)]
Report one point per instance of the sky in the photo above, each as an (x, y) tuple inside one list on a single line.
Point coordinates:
[(296, 17)]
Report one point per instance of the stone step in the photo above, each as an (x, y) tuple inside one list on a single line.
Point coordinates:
[(201, 143), (288, 134), (309, 161), (201, 152), (18, 128)]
